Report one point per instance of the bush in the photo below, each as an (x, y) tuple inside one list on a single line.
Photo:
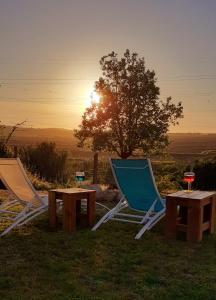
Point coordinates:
[(45, 162), (205, 171), (168, 176)]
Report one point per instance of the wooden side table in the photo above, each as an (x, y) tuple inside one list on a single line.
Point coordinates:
[(71, 206), (190, 212)]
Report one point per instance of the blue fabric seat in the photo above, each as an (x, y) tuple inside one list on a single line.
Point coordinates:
[(135, 180)]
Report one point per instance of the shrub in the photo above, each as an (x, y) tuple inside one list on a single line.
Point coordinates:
[(205, 171), (45, 161)]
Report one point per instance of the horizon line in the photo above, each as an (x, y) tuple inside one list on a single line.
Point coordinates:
[(71, 129)]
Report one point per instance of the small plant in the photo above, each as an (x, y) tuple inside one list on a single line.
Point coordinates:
[(38, 183)]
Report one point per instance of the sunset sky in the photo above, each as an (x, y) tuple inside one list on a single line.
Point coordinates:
[(50, 52)]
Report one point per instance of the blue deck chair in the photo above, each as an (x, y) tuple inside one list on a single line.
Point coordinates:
[(135, 180)]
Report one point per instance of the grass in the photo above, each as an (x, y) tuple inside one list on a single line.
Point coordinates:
[(36, 263)]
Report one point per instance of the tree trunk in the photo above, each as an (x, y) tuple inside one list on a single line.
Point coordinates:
[(125, 155), (95, 168)]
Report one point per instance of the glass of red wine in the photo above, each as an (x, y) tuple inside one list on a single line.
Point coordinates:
[(189, 177)]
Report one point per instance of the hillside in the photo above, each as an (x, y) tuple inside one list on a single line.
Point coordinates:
[(179, 142), (30, 136), (192, 142)]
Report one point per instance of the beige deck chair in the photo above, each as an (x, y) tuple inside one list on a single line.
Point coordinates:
[(22, 192)]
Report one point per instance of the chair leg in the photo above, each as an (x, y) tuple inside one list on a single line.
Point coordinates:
[(108, 215), (24, 219), (10, 228), (102, 220), (150, 224), (142, 231), (154, 223), (8, 203), (33, 216)]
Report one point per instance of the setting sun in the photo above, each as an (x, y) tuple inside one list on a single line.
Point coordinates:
[(93, 97)]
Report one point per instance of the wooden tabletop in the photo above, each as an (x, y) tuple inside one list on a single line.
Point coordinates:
[(197, 195), (73, 191)]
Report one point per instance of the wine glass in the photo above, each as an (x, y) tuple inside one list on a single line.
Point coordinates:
[(189, 177), (80, 176)]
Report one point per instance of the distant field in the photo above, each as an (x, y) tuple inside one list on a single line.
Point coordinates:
[(191, 142), (180, 143)]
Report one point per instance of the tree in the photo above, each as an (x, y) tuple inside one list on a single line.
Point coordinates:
[(130, 115)]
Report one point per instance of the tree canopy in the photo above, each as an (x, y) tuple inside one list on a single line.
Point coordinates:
[(130, 115)]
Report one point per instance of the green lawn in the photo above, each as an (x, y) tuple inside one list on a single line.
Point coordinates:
[(106, 264)]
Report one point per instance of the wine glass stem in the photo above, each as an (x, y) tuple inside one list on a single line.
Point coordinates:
[(189, 186)]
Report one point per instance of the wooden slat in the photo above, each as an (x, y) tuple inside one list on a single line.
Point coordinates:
[(78, 210), (192, 195), (171, 216), (205, 226), (73, 191), (212, 214), (181, 227), (195, 221), (69, 212)]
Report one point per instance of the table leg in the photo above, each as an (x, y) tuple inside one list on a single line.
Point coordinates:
[(91, 208), (78, 210), (69, 212), (171, 218), (212, 214), (52, 209), (195, 220)]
